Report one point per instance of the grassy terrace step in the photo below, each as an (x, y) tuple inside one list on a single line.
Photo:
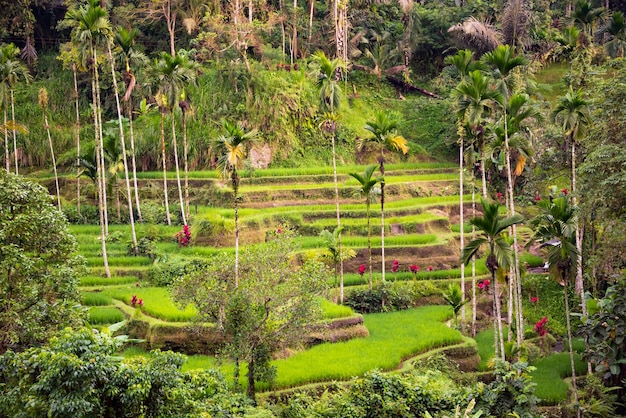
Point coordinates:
[(302, 171)]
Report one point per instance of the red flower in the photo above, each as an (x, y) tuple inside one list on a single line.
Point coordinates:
[(484, 285), (395, 265), (534, 299), (537, 198), (500, 197), (414, 268), (564, 191), (278, 231), (540, 326), (362, 269), (140, 302), (133, 300), (430, 268)]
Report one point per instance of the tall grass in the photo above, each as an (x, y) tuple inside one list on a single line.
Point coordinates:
[(551, 370), (334, 311), (157, 302), (96, 299), (89, 281)]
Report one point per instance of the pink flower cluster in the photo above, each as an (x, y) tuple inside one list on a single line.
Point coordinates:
[(484, 284), (540, 326), (414, 268), (395, 265), (136, 302), (534, 299), (183, 237)]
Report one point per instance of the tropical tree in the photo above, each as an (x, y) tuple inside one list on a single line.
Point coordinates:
[(233, 153), (615, 34), (586, 16), (169, 75), (384, 130), (492, 230), (90, 27), (572, 114), (12, 70), (557, 224), (330, 101), (366, 189), (125, 41), (43, 103), (455, 298)]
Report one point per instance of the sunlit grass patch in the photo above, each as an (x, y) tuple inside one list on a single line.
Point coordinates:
[(334, 311), (101, 315), (106, 281), (393, 337), (126, 261), (156, 302), (96, 299)]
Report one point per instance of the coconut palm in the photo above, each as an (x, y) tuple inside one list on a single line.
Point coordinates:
[(91, 27), (12, 70), (125, 41), (366, 189), (169, 75), (492, 230), (615, 34), (43, 103), (586, 16), (330, 102), (557, 223), (233, 153), (572, 114), (384, 130)]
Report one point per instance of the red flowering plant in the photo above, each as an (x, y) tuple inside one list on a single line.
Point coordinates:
[(540, 326), (394, 267), (484, 285), (183, 238), (414, 268), (362, 270), (135, 302), (534, 299)]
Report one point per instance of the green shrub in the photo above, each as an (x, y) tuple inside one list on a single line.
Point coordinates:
[(163, 273), (384, 297), (89, 214)]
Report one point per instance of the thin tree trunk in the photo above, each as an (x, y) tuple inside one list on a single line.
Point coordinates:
[(496, 288), (54, 161), (131, 215), (7, 157), (338, 218), (164, 157), (118, 205), (186, 163), (369, 239), (496, 339), (474, 305), (311, 10), (579, 286), (461, 220), (180, 189), (381, 168), (99, 169), (77, 139), (98, 115), (251, 390), (569, 341), (133, 159), (14, 133), (294, 37), (235, 181)]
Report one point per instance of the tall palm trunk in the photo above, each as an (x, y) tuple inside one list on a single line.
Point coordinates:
[(515, 279), (311, 10), (131, 215), (579, 286), (369, 237), (7, 157), (235, 182), (336, 183), (569, 339), (98, 115), (14, 133), (180, 189), (164, 158), (185, 159), (294, 37), (462, 221), (99, 168), (133, 158), (77, 139), (54, 162), (381, 168)]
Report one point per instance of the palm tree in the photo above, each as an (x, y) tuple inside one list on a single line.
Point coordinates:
[(170, 75), (572, 113), (330, 101), (90, 26), (504, 63), (615, 31), (586, 16), (233, 144), (366, 189), (43, 102), (385, 136), (331, 240), (456, 299), (492, 229), (125, 40), (557, 223), (12, 70)]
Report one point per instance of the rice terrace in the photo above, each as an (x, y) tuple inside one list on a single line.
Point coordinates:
[(314, 209)]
